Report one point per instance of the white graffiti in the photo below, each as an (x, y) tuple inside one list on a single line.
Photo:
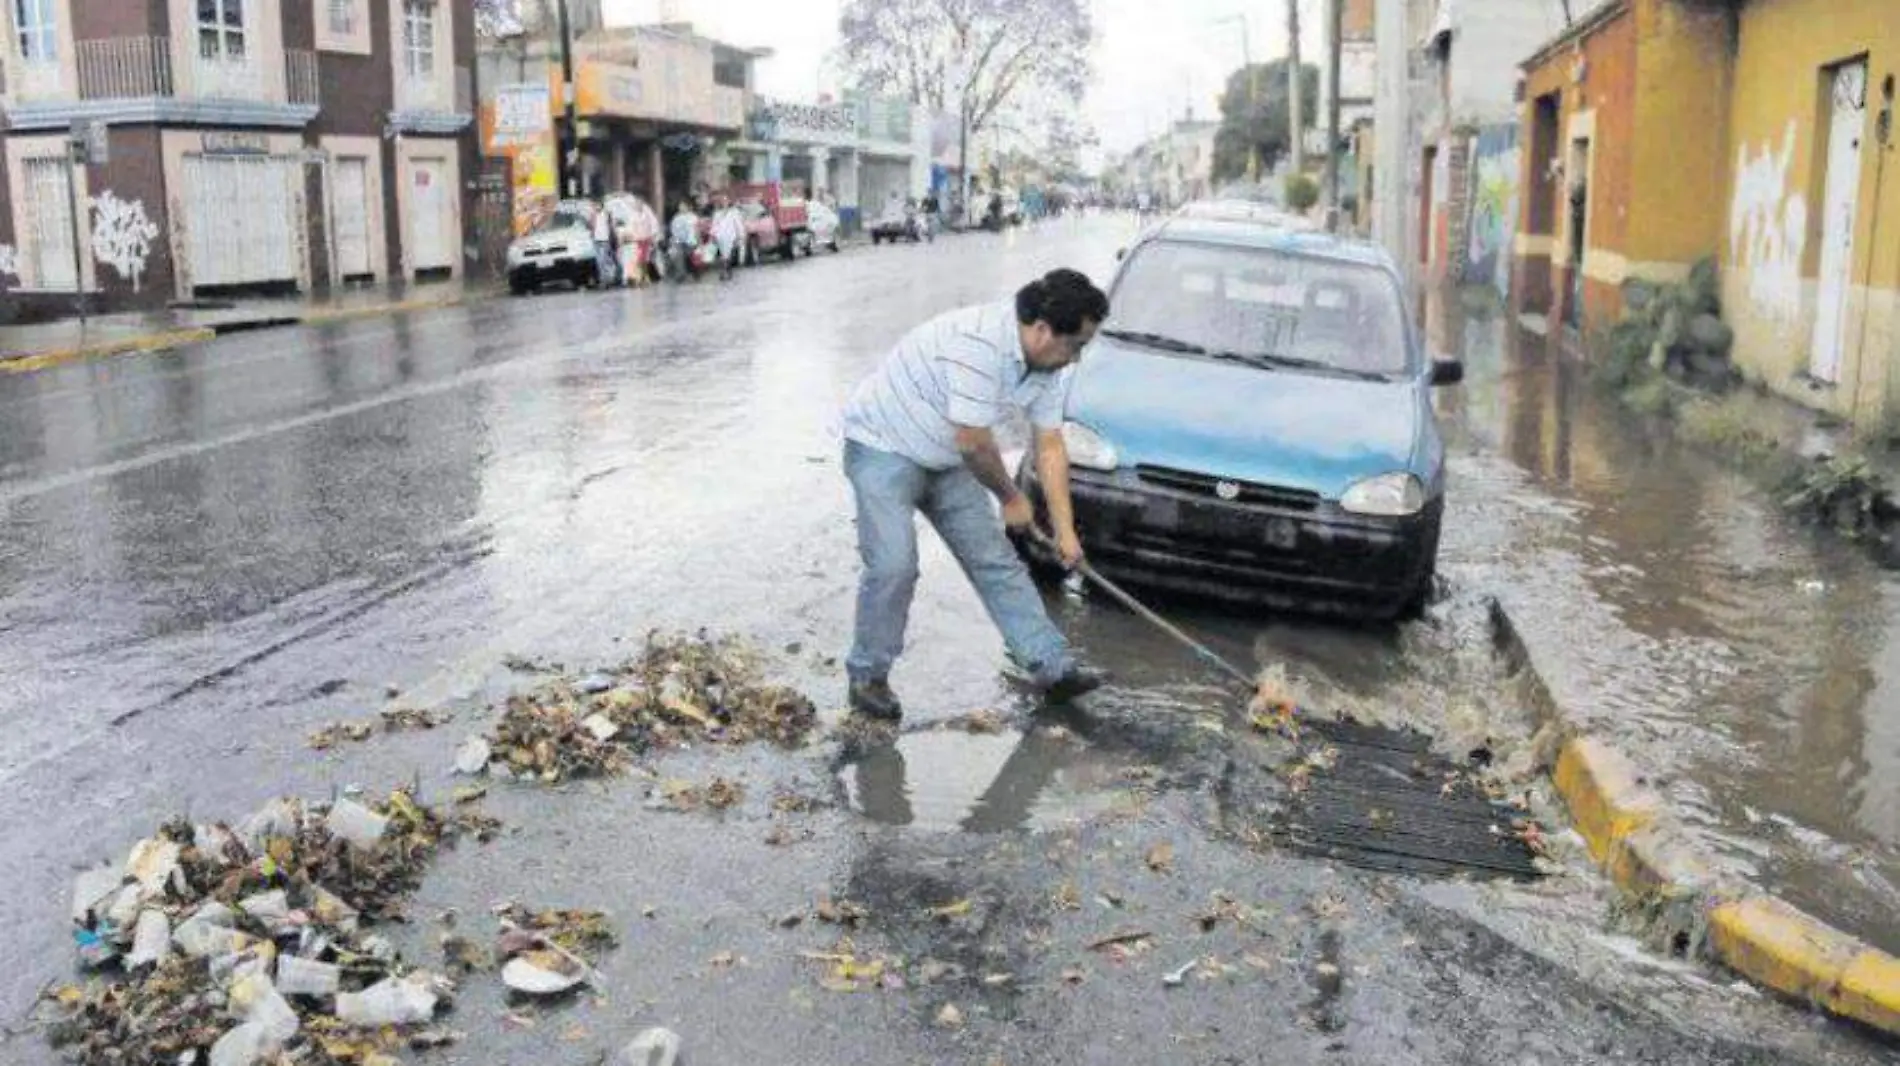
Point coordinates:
[(9, 262), (122, 235), (1768, 229)]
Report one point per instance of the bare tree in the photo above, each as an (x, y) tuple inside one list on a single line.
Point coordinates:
[(973, 58)]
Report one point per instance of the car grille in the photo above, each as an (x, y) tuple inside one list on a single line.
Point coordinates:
[(1204, 485)]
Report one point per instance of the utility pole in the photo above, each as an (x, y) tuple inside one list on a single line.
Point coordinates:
[(1336, 19), (570, 130), (1390, 129), (1293, 101)]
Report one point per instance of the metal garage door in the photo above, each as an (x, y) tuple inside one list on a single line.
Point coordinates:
[(430, 228), (351, 203), (243, 219)]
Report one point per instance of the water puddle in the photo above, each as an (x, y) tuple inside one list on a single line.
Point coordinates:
[(954, 780)]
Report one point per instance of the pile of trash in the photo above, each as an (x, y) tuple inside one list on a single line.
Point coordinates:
[(680, 690), (250, 945), (551, 951), (396, 720)]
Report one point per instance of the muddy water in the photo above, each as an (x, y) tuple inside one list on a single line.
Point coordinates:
[(1749, 663)]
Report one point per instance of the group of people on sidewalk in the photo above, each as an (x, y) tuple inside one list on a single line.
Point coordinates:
[(637, 248)]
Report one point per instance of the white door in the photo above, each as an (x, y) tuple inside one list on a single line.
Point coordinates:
[(242, 219), (1848, 122), (49, 219), (351, 204), (429, 227)]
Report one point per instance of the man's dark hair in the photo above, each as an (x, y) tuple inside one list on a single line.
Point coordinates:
[(1063, 298)]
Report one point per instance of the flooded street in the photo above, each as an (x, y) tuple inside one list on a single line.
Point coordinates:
[(208, 553), (1746, 661)]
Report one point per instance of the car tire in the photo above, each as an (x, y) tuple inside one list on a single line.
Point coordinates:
[(518, 288), (1425, 586), (833, 246), (751, 252)]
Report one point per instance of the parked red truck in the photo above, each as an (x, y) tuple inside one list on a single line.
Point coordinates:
[(777, 224)]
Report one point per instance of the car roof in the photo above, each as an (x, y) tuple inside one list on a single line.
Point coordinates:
[(1266, 232)]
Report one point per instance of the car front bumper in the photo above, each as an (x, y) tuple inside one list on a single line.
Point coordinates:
[(548, 268), (1315, 557)]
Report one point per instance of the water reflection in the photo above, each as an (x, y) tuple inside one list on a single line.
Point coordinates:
[(976, 783)]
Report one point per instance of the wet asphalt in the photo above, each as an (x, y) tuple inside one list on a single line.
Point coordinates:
[(207, 553)]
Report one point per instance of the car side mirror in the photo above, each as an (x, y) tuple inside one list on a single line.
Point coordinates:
[(1447, 372)]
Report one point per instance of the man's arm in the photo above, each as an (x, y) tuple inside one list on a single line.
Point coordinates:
[(1052, 470), (977, 445)]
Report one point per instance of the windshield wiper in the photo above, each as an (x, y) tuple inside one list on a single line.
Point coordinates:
[(1294, 362), (1156, 340)]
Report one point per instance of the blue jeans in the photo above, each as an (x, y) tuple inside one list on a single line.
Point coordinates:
[(890, 490)]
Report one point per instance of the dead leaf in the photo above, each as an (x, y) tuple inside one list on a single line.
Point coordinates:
[(950, 1017), (1161, 857), (791, 920), (723, 960), (951, 910), (1131, 936), (1326, 969), (997, 980), (722, 794), (574, 1034), (841, 912), (1331, 907), (1258, 962), (469, 793), (1067, 897)]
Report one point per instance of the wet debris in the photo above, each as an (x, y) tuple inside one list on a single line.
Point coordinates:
[(395, 720), (949, 1017), (979, 723), (229, 947), (680, 690), (841, 912), (654, 1047), (1123, 944), (1160, 858), (680, 795), (1272, 708), (846, 972)]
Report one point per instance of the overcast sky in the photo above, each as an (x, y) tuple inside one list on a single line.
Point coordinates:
[(1149, 66)]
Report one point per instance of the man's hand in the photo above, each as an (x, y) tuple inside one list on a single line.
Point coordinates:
[(1018, 516), (1069, 547)]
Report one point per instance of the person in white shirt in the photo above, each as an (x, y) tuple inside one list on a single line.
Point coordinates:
[(683, 235), (728, 232)]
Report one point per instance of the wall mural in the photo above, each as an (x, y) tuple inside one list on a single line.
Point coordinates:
[(1768, 228), (1494, 201)]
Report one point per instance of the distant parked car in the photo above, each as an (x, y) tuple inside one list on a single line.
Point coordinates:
[(899, 222), (560, 249), (824, 225), (1254, 422)]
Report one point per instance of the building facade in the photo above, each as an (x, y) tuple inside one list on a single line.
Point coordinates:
[(253, 145)]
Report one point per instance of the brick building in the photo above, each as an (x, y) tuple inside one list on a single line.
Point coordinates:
[(254, 145)]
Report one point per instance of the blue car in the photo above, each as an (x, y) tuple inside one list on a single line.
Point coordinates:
[(1254, 423)]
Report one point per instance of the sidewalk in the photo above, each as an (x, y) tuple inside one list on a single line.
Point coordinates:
[(48, 344)]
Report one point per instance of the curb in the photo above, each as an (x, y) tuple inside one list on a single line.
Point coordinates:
[(174, 338), (1645, 852)]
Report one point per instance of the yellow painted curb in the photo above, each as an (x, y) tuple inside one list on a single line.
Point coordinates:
[(1778, 946), (150, 342), (1606, 800)]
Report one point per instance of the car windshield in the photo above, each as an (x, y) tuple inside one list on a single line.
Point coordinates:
[(1261, 305), (560, 220)]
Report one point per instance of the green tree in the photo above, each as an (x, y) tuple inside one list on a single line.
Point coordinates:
[(1250, 121)]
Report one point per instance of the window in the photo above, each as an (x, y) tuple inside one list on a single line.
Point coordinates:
[(38, 24), (418, 38), (1279, 310), (49, 224), (221, 29), (342, 15)]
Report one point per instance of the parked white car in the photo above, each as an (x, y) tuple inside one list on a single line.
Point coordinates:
[(560, 249)]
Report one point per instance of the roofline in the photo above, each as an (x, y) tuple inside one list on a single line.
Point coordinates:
[(1584, 27)]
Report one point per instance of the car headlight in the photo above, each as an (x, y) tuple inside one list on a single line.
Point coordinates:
[(1086, 447), (1388, 495)]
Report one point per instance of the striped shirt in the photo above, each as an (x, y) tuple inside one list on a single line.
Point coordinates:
[(964, 368)]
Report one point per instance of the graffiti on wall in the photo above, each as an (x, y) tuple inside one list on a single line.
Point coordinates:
[(1768, 228), (122, 235), (1494, 169)]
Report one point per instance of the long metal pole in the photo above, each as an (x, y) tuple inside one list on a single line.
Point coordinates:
[(1336, 18), (1253, 98), (74, 151), (1294, 108), (570, 132), (1389, 130)]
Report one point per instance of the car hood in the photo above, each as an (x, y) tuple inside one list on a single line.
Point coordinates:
[(1275, 427), (556, 236)]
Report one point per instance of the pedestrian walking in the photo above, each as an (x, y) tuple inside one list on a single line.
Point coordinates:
[(919, 437), (683, 241), (728, 233), (606, 263)]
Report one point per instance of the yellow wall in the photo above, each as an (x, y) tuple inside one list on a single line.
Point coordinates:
[(1680, 150), (1770, 246)]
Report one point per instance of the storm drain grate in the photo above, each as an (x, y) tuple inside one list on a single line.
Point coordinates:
[(1382, 799)]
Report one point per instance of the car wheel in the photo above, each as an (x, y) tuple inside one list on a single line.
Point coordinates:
[(518, 288), (1425, 586), (751, 252), (834, 247)]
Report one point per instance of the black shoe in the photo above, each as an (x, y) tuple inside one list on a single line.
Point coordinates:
[(874, 699), (1078, 682)]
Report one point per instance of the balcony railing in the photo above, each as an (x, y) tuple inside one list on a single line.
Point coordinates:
[(300, 73), (141, 67), (125, 67)]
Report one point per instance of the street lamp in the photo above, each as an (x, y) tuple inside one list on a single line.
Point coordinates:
[(1253, 88)]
